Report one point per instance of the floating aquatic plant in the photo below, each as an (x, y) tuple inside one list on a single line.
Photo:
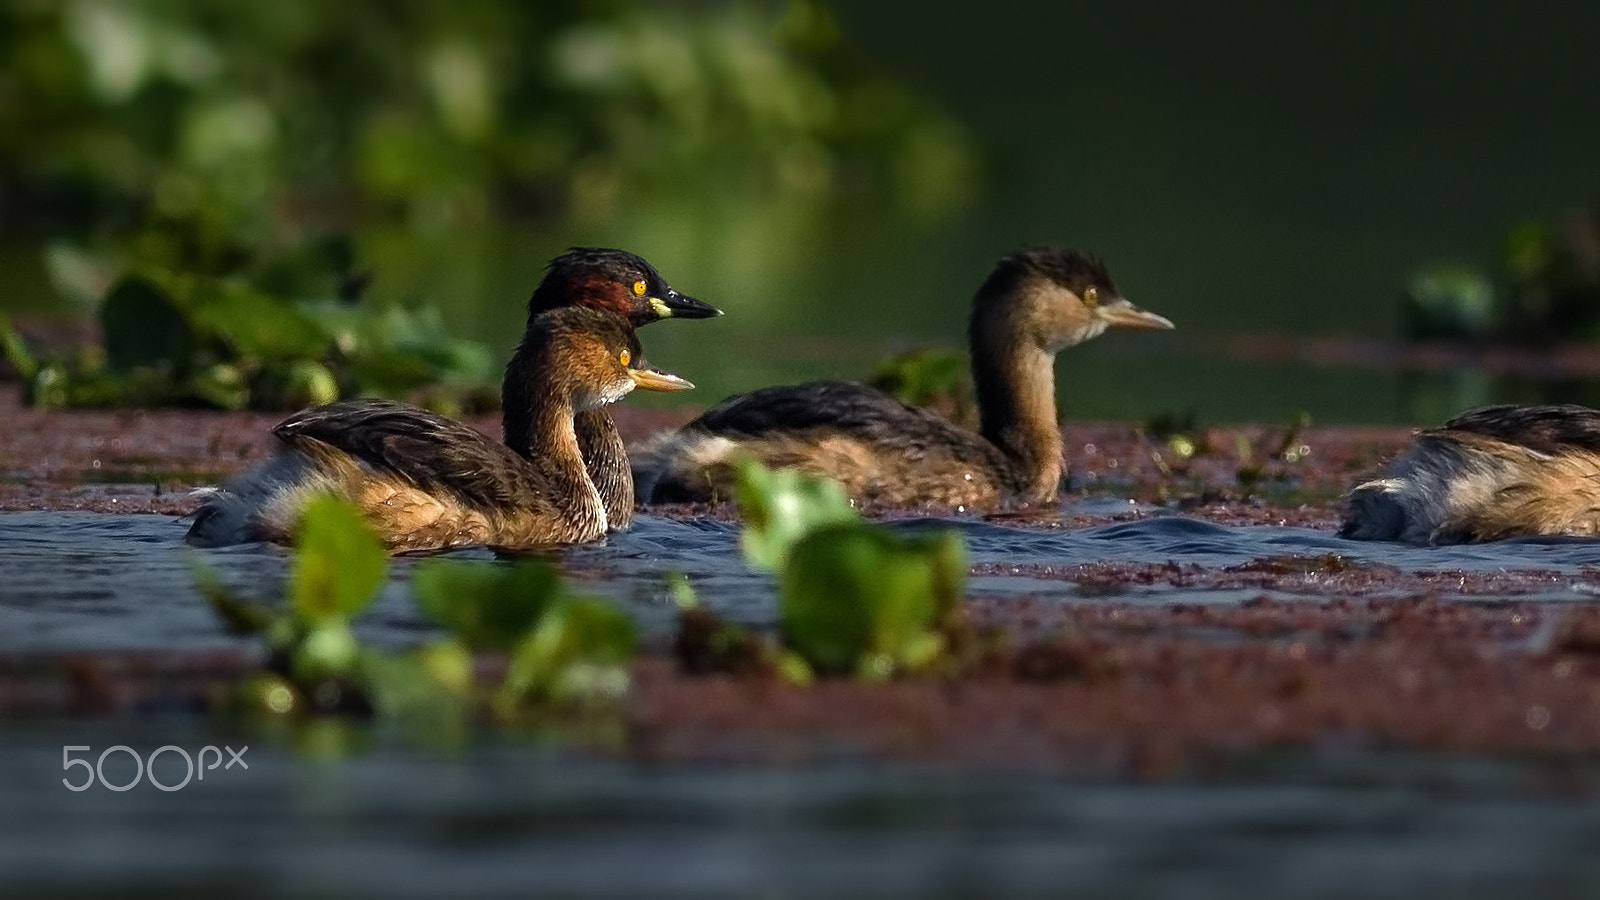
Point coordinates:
[(854, 598), (485, 606), (779, 506), (1259, 457), (562, 648), (578, 653), (315, 662), (559, 648), (862, 600)]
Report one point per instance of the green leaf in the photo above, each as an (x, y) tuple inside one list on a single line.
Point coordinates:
[(682, 591), (80, 276), (310, 383), (793, 668), (923, 377), (825, 596), (427, 684), (342, 321), (579, 651), (393, 350), (144, 326), (485, 605), (420, 332), (326, 650), (293, 384), (779, 506), (239, 616), (859, 599), (946, 553), (15, 349), (923, 585), (339, 562), (256, 324), (390, 372), (448, 663), (222, 385), (1449, 301)]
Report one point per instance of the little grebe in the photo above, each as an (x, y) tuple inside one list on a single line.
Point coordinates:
[(1036, 302), (426, 482), (1490, 473), (622, 283)]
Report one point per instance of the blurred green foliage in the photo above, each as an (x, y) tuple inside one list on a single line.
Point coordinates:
[(303, 114), (191, 169), (1553, 278), (314, 660), (862, 600), (1546, 288), (187, 326), (1264, 458), (561, 651), (780, 506), (563, 648), (934, 378), (855, 598), (1448, 301)]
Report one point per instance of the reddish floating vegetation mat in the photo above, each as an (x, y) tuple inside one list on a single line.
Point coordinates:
[(1141, 691), (1373, 657), (1328, 575), (147, 461), (1153, 690)]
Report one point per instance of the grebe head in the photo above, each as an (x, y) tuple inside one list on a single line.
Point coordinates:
[(590, 358), (1053, 297), (616, 281)]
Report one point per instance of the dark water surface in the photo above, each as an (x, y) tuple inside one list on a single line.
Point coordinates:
[(515, 815), (72, 581), (519, 819)]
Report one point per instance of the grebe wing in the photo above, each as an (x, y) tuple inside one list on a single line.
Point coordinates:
[(875, 420), (1545, 428), (841, 405), (428, 450)]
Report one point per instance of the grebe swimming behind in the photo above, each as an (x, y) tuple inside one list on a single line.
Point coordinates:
[(426, 482), (622, 283), (1035, 303), (1490, 473)]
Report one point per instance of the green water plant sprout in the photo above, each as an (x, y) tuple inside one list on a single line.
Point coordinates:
[(558, 649), (780, 506), (854, 598), (315, 661), (1176, 441), (934, 378), (863, 600)]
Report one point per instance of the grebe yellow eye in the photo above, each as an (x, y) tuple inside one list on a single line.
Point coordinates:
[(1091, 295), (625, 357), (639, 288)]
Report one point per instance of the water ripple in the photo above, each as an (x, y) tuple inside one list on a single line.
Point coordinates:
[(71, 580)]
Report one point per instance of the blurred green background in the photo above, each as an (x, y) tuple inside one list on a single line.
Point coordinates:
[(838, 178)]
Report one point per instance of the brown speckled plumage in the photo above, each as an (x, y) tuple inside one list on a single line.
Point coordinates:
[(1036, 302), (426, 482)]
